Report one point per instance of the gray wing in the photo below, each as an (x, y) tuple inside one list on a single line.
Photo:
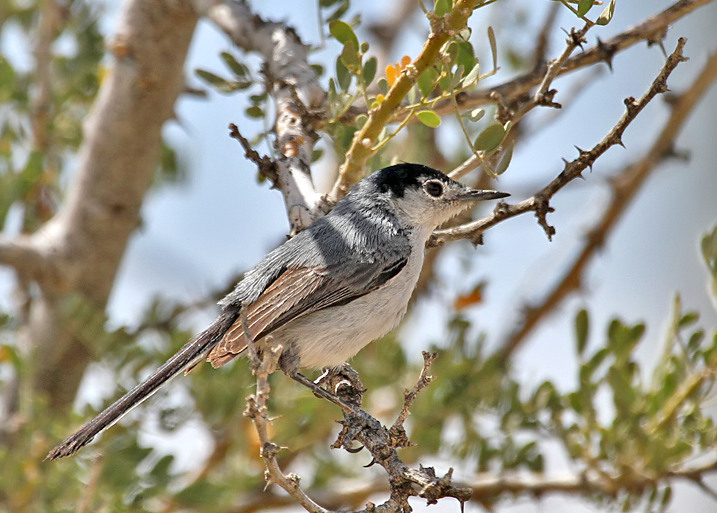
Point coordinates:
[(299, 291)]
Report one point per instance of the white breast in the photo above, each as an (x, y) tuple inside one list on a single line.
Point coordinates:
[(331, 336)]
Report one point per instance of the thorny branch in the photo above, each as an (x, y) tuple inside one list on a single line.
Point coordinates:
[(539, 203), (360, 426), (651, 30), (256, 410), (624, 189), (487, 488)]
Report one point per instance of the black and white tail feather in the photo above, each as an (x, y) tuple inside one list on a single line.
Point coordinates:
[(191, 354)]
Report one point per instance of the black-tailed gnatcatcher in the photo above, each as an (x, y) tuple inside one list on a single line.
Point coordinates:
[(327, 292)]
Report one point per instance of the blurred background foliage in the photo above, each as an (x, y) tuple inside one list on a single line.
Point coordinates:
[(630, 424)]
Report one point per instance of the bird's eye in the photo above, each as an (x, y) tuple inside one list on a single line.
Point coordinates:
[(433, 188)]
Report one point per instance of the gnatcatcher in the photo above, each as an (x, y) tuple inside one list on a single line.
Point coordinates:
[(326, 293)]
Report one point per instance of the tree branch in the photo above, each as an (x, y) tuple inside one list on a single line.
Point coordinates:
[(651, 30), (442, 29), (539, 203), (487, 488), (256, 410), (115, 166), (22, 254), (625, 187), (299, 99)]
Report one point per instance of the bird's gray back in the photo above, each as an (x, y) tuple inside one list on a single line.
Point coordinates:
[(354, 236)]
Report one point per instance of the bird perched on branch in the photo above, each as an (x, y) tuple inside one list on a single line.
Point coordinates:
[(324, 294)]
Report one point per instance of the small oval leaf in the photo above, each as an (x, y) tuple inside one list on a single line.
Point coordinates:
[(429, 118), (343, 75), (493, 47), (343, 32), (505, 159), (369, 71), (607, 14), (582, 325), (490, 138), (239, 69), (584, 6), (442, 7)]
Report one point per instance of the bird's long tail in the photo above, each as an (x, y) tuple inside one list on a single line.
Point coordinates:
[(184, 359)]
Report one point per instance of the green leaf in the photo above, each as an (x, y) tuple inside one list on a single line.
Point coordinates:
[(493, 47), (369, 71), (427, 81), (350, 56), (607, 14), (584, 6), (383, 86), (212, 79), (343, 75), (457, 75), (239, 69), (709, 253), (442, 7), (255, 112), (582, 325), (475, 114), (688, 319), (490, 138), (505, 159), (343, 32), (473, 76), (429, 118), (465, 56), (340, 10)]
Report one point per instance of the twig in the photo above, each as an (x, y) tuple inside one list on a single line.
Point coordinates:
[(410, 395), (539, 203), (651, 30), (264, 163), (544, 95), (297, 93), (364, 428), (256, 410), (487, 488), (625, 187)]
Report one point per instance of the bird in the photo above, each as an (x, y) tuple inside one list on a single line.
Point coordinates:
[(325, 293)]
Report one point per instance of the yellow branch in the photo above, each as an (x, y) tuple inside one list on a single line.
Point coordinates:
[(442, 29)]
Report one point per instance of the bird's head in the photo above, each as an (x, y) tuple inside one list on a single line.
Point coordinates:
[(422, 195)]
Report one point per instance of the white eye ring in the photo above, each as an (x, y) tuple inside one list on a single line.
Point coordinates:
[(433, 188)]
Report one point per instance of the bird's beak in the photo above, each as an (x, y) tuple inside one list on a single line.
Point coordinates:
[(480, 195)]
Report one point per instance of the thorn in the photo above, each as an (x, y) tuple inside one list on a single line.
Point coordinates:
[(619, 142), (354, 450), (371, 463), (607, 52), (583, 153), (566, 163)]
